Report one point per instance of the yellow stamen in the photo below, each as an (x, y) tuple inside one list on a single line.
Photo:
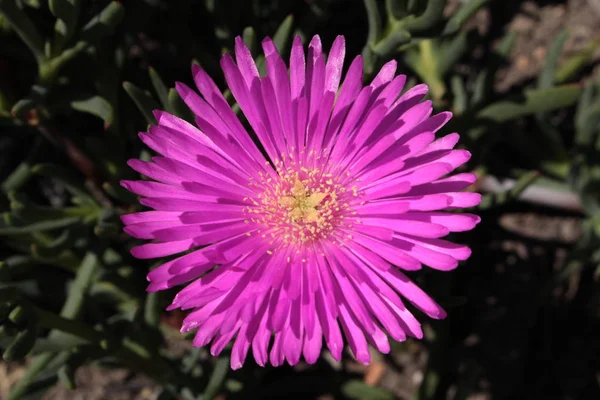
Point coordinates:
[(316, 198), (303, 205)]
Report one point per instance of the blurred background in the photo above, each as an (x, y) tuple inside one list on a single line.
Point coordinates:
[(78, 79)]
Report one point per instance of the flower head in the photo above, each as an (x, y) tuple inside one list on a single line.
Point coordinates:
[(299, 228)]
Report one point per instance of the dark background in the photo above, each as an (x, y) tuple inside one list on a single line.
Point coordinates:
[(521, 78)]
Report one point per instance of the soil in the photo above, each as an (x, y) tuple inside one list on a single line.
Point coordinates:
[(95, 383), (537, 24)]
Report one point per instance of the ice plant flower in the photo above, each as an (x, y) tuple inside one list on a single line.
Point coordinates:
[(300, 227)]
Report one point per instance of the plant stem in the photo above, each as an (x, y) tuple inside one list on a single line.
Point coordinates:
[(127, 351), (80, 160)]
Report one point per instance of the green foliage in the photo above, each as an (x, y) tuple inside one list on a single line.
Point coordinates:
[(356, 389), (86, 78)]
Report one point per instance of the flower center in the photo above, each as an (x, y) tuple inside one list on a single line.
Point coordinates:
[(301, 205), (304, 205)]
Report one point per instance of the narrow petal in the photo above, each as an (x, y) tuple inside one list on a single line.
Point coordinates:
[(388, 252), (155, 250)]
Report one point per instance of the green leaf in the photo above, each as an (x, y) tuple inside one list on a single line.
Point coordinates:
[(531, 102), (66, 240), (587, 117), (5, 276), (178, 107), (37, 366), (391, 42), (374, 21), (21, 346), (433, 14), (497, 199), (104, 23), (424, 60), (17, 178), (66, 376), (586, 102), (507, 44), (159, 87), (43, 225), (143, 100), (523, 183), (460, 101), (63, 343), (463, 14), (589, 197), (249, 37), (66, 10), (546, 78), (21, 174), (32, 3), (63, 258), (283, 35), (569, 69), (152, 309), (396, 9), (50, 68), (216, 379), (97, 106), (24, 27), (85, 275), (67, 14), (5, 306), (357, 389), (21, 316), (551, 138), (451, 51)]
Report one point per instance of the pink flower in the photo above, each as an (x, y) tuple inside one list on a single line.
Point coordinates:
[(301, 227)]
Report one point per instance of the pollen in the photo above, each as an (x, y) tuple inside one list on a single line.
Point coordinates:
[(305, 204)]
